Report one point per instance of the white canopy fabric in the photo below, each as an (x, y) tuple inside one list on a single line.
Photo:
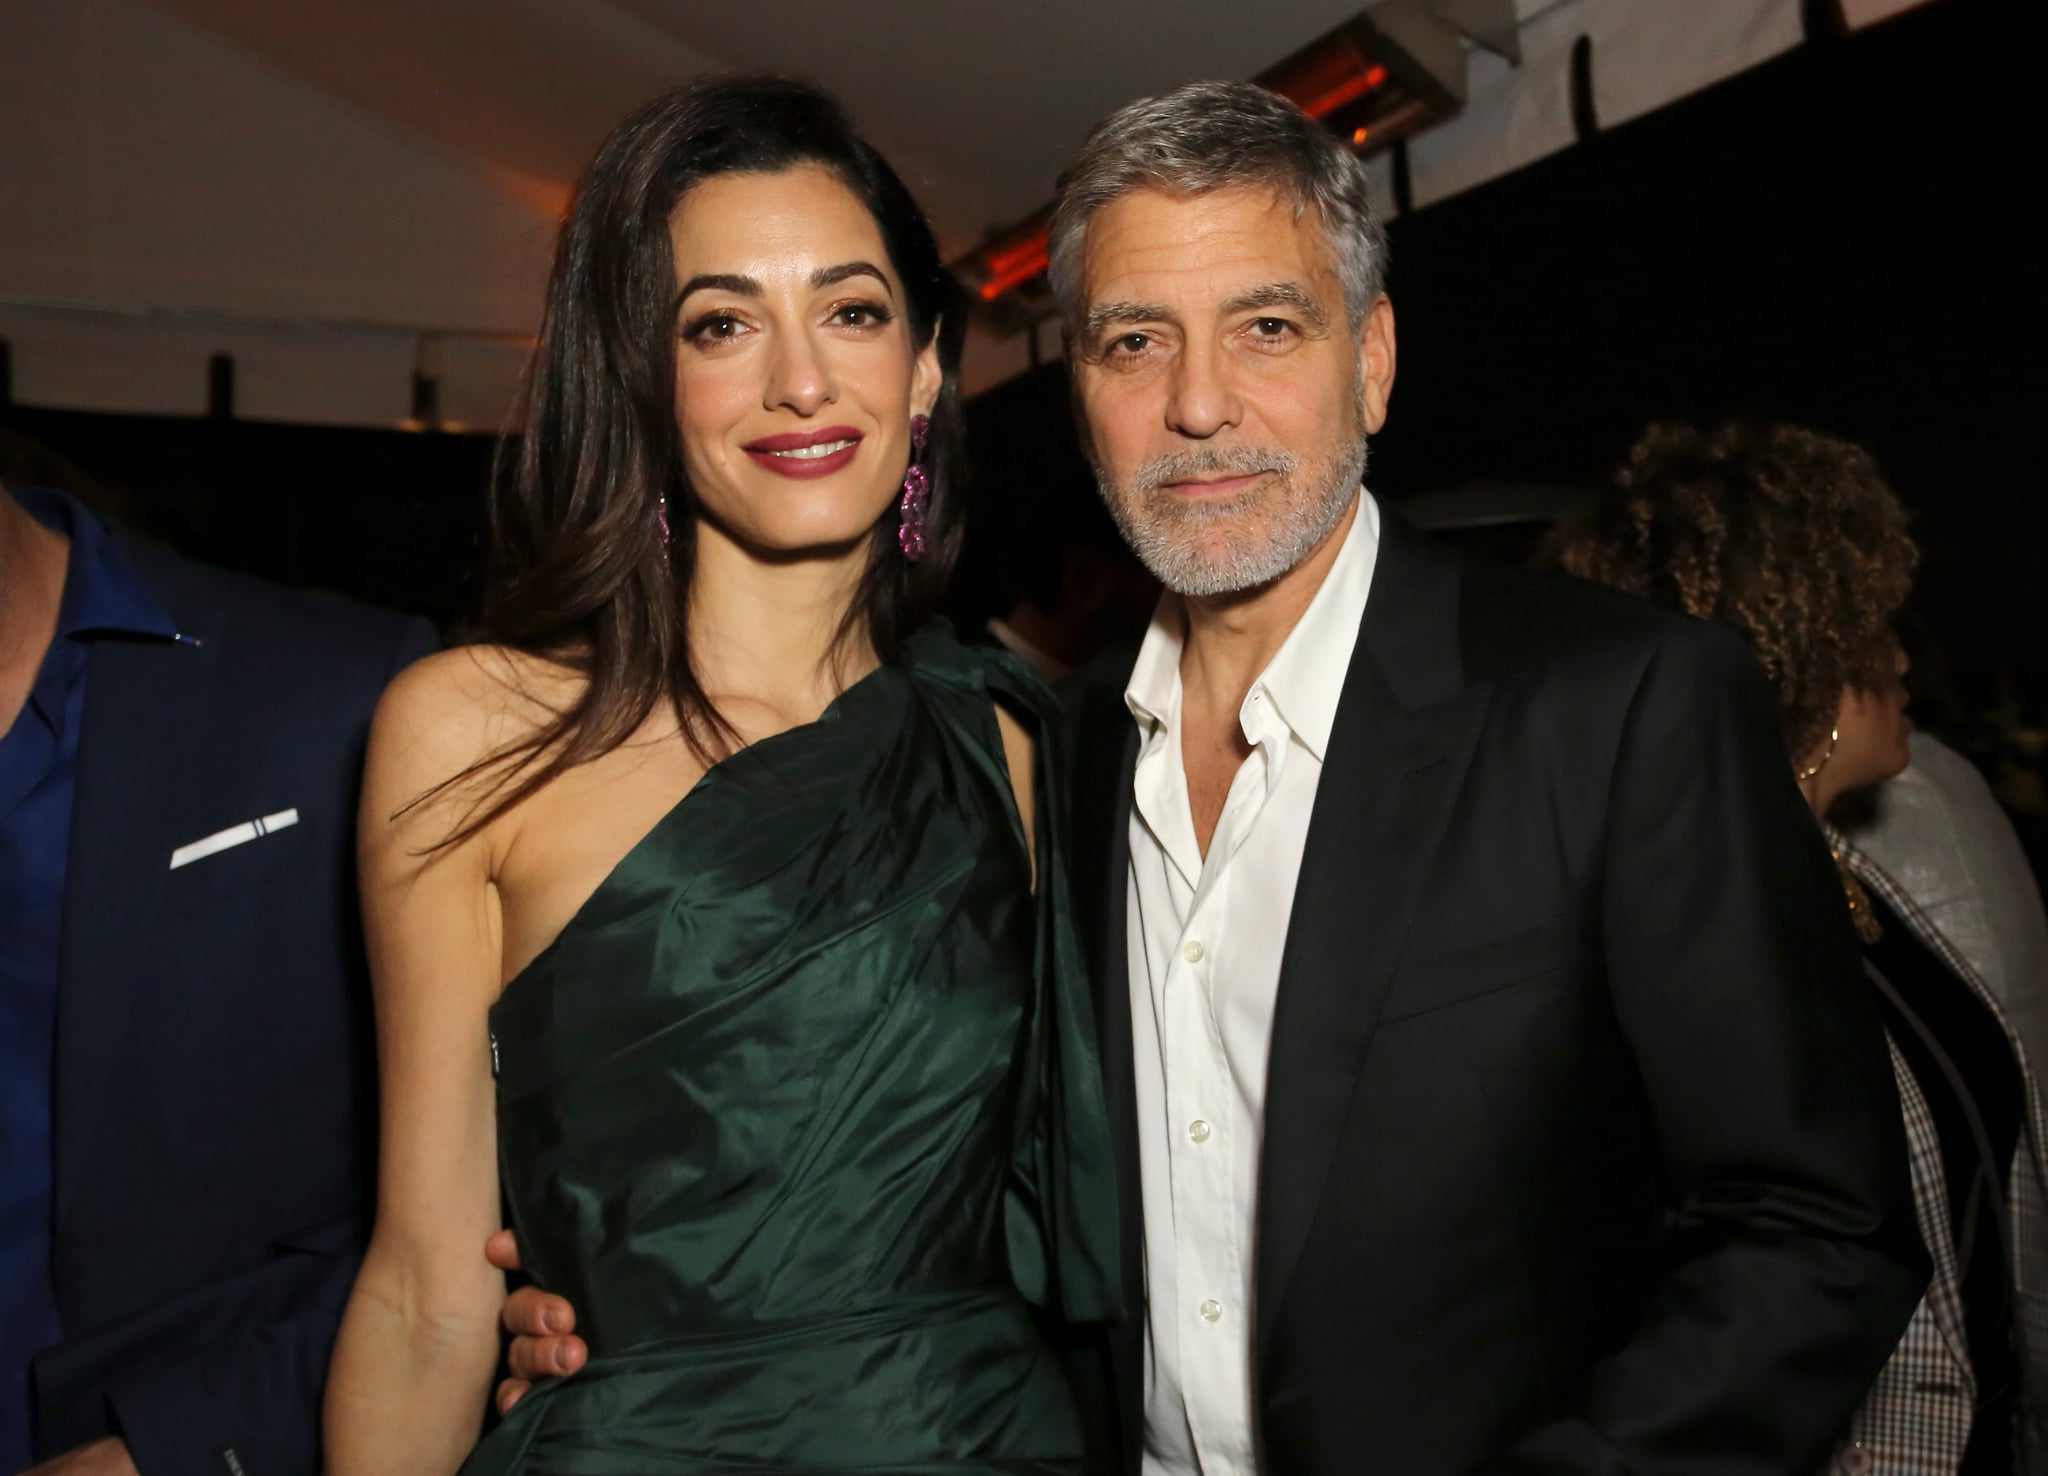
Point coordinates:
[(340, 192)]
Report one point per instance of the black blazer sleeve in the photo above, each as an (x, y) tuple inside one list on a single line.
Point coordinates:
[(256, 1383), (226, 1377), (1796, 1260)]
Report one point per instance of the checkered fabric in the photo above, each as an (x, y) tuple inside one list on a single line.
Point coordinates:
[(1916, 1419)]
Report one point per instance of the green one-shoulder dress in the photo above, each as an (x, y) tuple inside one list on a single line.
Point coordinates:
[(801, 1112)]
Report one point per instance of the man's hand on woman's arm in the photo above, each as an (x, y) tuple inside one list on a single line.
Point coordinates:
[(543, 1328)]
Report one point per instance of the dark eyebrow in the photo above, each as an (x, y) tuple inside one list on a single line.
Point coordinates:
[(826, 276), (722, 282), (748, 287), (1111, 314), (1281, 295)]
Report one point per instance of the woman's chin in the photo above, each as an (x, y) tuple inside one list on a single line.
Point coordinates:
[(801, 540), (829, 545)]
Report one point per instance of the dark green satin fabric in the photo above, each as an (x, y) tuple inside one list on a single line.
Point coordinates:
[(801, 1112)]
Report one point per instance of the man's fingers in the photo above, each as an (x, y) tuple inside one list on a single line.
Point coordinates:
[(526, 1359), (502, 1251), (533, 1313), (545, 1358), (509, 1393)]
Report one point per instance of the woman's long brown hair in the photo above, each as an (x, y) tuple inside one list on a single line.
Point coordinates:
[(577, 573)]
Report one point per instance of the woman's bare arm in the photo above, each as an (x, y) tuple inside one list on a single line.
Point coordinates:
[(418, 1343)]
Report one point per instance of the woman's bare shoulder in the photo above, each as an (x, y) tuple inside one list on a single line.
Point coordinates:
[(480, 685), (449, 712)]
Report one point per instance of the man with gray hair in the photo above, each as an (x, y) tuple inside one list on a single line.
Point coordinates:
[(1495, 1102)]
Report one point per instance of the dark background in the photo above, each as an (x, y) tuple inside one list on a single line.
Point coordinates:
[(1844, 238)]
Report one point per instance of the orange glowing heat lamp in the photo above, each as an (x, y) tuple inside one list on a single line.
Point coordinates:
[(1327, 75), (1005, 279), (1015, 258), (1379, 77), (1382, 76)]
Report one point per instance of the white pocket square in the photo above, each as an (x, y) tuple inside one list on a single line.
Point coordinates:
[(234, 835)]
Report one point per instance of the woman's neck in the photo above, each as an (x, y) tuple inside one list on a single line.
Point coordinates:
[(1820, 796), (769, 630)]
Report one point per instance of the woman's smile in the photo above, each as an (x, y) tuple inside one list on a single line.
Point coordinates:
[(804, 454)]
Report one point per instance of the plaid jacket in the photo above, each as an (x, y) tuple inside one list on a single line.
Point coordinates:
[(1916, 1419)]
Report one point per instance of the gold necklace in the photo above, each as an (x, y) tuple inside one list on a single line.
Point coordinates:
[(1868, 928), (1834, 737)]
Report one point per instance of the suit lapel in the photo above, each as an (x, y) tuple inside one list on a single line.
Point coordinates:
[(1120, 1088), (132, 750), (1105, 758), (1404, 735), (1113, 1012)]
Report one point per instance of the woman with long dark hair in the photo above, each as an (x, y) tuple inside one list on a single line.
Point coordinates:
[(713, 897)]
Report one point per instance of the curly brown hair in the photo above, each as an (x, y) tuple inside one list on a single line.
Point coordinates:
[(1792, 537)]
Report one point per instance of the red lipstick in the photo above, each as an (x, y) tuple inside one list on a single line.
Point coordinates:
[(806, 454)]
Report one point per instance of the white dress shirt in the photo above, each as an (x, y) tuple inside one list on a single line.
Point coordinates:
[(1204, 945)]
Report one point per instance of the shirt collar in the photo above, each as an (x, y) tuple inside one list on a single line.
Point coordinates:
[(102, 594), (1153, 692), (1305, 678)]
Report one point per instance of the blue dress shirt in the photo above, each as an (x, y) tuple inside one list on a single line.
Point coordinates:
[(38, 774)]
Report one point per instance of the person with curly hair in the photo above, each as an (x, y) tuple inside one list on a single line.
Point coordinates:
[(1795, 539)]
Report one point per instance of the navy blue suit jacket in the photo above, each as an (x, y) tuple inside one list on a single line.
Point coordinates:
[(215, 1068)]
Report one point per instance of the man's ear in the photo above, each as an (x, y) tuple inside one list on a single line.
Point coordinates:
[(926, 377), (1376, 364)]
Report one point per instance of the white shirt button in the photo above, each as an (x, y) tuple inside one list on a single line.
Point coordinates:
[(1192, 951), (1211, 1310), (1199, 1130)]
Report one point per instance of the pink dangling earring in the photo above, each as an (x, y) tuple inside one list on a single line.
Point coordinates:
[(916, 493), (661, 516)]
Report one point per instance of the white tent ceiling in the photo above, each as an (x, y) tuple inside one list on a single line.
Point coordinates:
[(319, 187)]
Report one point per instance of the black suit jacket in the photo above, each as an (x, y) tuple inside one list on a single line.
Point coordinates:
[(1582, 1151), (215, 1106)]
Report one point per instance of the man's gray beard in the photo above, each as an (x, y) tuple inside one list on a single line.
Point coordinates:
[(1266, 530)]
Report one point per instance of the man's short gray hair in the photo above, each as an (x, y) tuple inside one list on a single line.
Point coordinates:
[(1211, 136)]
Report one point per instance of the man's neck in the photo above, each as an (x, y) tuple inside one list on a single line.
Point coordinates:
[(32, 562), (1230, 639)]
